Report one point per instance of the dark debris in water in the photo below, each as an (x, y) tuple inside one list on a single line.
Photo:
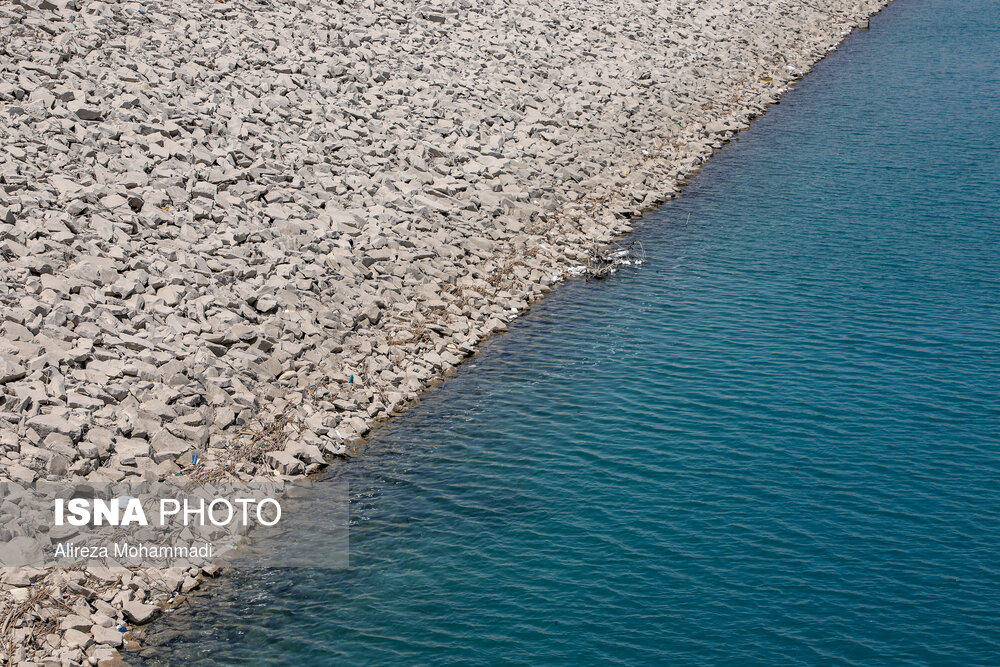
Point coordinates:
[(605, 261)]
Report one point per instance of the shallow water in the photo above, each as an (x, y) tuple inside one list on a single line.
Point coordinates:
[(777, 442)]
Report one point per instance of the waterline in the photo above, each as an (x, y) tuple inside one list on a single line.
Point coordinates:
[(775, 442)]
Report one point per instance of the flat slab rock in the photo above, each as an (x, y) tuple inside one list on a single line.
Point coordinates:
[(140, 613)]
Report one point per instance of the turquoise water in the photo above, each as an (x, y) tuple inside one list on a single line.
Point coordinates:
[(778, 442)]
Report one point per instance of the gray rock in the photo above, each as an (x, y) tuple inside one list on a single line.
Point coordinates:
[(139, 613), (76, 639), (285, 463), (10, 370), (83, 111), (66, 425), (108, 636)]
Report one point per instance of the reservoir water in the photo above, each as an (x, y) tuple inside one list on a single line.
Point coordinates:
[(778, 442)]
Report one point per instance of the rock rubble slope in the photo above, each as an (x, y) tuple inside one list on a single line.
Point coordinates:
[(248, 230)]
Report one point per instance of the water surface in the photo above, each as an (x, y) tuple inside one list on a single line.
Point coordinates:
[(775, 443)]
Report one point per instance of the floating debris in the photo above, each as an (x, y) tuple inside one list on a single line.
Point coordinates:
[(604, 262)]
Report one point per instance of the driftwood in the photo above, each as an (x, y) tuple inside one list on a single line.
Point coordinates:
[(605, 261)]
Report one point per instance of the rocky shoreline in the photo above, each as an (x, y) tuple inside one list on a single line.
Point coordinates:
[(248, 231)]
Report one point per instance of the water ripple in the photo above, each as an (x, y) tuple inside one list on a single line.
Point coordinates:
[(777, 443)]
